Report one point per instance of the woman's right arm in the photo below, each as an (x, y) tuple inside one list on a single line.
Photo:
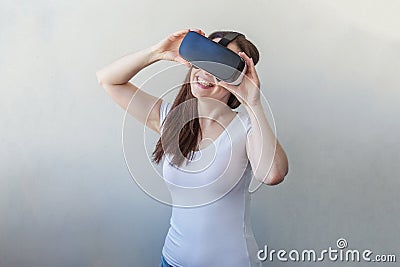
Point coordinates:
[(114, 78)]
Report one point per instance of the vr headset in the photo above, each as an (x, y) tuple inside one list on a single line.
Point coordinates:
[(213, 57)]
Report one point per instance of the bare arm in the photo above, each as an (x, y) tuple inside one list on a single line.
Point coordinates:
[(268, 167), (114, 78), (123, 69), (261, 142)]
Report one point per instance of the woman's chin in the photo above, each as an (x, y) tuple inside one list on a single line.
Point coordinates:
[(198, 92)]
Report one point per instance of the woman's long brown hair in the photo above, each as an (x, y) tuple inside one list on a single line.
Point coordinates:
[(183, 122)]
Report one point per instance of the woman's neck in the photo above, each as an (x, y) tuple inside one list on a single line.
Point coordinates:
[(212, 108)]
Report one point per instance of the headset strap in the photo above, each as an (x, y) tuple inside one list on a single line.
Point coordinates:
[(229, 37)]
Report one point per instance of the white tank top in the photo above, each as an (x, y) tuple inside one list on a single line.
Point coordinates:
[(210, 222)]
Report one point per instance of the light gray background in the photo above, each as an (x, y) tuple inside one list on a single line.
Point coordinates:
[(330, 70)]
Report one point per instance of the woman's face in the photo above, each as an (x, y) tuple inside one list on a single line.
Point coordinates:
[(203, 84)]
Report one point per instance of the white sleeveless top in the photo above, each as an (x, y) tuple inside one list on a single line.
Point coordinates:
[(210, 223)]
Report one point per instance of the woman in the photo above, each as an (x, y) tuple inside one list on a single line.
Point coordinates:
[(210, 223)]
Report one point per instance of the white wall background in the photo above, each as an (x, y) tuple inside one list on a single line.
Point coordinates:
[(330, 70)]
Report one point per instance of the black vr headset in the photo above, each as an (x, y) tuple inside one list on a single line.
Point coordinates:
[(214, 57)]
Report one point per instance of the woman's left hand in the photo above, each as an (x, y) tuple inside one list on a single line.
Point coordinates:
[(248, 92)]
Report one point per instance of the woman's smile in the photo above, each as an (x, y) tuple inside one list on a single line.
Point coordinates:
[(203, 83)]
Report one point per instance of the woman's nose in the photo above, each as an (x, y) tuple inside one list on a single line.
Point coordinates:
[(210, 75)]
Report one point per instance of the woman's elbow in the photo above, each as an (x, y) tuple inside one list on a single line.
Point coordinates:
[(274, 177), (98, 76), (274, 180)]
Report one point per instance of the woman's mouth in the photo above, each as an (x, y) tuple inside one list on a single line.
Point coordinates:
[(203, 83)]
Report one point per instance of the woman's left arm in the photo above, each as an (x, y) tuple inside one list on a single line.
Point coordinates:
[(268, 167)]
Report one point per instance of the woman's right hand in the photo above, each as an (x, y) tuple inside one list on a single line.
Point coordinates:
[(168, 47)]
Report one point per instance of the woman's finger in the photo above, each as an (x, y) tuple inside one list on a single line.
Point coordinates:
[(249, 63), (248, 60), (254, 69), (178, 33), (198, 31)]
